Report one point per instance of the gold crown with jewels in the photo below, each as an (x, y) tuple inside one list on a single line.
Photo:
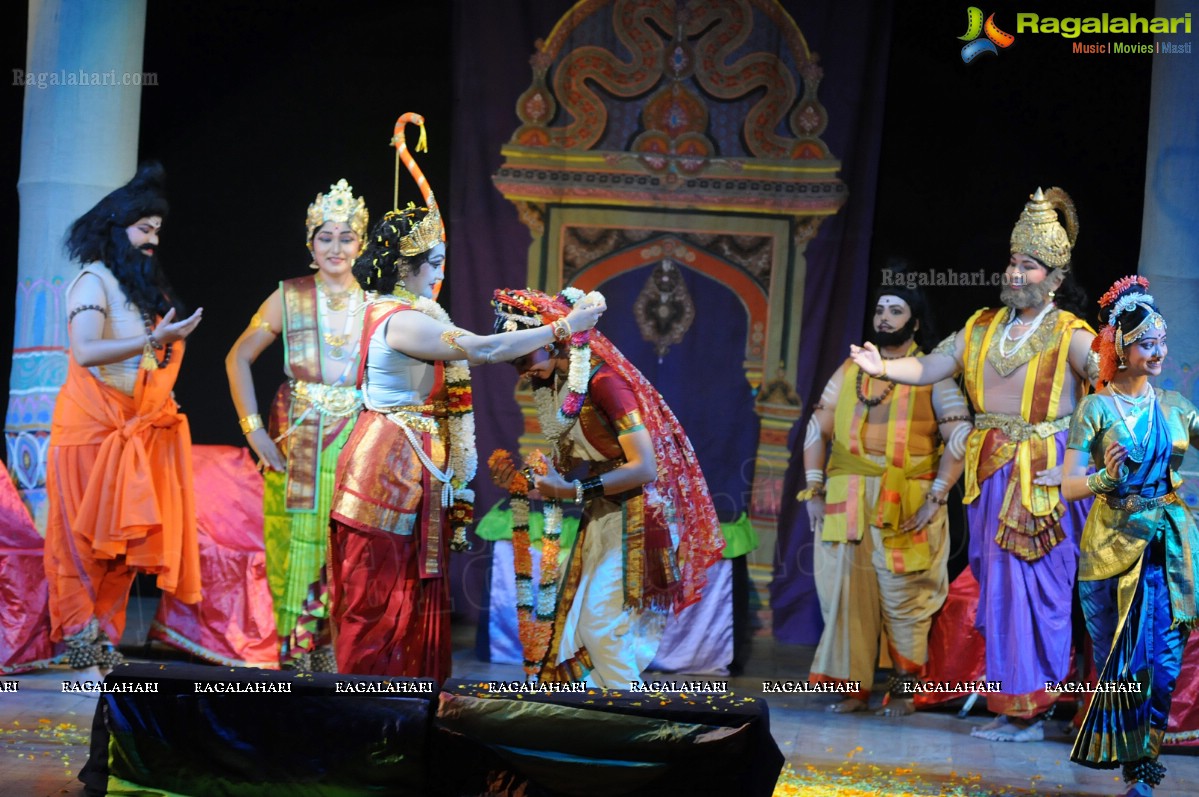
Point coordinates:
[(339, 205), (1039, 234)]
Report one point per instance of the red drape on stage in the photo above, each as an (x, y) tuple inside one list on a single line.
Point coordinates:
[(233, 623), (24, 598)]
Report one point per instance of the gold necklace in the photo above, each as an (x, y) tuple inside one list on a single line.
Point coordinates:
[(336, 302)]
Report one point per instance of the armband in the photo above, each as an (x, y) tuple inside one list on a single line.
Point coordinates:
[(450, 338)]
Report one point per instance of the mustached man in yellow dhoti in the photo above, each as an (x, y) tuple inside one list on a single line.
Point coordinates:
[(320, 320), (880, 518), (1025, 367)]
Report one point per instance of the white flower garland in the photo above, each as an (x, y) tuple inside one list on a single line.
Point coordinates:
[(1127, 302), (556, 420)]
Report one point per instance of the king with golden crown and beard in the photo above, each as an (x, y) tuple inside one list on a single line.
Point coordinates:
[(1025, 366)]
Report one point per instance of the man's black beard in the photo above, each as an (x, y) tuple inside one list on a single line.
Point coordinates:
[(1023, 298), (895, 338), (138, 274)]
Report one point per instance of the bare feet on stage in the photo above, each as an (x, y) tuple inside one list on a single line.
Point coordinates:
[(1011, 729), (847, 706), (897, 707)]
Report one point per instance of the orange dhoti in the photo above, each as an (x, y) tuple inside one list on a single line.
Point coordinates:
[(120, 498)]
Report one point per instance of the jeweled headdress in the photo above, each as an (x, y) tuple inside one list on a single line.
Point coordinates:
[(1126, 294), (339, 205), (1039, 234), (430, 230)]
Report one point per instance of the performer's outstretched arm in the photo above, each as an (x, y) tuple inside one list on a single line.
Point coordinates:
[(942, 363), (425, 338)]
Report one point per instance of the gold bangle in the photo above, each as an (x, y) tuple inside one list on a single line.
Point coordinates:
[(250, 423), (808, 493), (884, 362)]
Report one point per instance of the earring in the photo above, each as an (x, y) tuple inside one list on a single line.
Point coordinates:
[(403, 276), (1052, 294), (314, 266), (1122, 366)]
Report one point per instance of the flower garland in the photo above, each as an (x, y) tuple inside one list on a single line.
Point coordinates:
[(535, 616), (557, 421), (464, 459)]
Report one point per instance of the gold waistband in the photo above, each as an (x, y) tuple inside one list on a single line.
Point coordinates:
[(1135, 503), (1017, 429), (335, 400), (419, 417)]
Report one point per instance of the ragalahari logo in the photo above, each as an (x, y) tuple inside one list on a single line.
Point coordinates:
[(994, 36)]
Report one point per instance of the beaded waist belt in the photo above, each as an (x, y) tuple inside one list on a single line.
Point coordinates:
[(1017, 429), (1136, 503), (420, 417), (337, 401)]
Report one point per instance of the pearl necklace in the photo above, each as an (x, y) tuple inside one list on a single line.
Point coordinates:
[(1004, 340)]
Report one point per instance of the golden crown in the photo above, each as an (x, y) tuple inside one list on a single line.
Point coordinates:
[(339, 205), (1038, 233), (426, 233)]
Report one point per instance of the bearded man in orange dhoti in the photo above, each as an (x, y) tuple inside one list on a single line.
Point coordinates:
[(118, 472)]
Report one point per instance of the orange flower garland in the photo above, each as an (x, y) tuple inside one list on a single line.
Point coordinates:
[(534, 616)]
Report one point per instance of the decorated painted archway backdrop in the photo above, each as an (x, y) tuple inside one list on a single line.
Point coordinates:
[(670, 153), (685, 157)]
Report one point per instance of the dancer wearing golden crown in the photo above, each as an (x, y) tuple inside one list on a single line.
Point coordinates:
[(1139, 563), (118, 466), (1025, 367), (402, 498), (320, 318)]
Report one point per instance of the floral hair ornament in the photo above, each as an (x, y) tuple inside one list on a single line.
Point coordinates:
[(534, 308), (1125, 294), (341, 206)]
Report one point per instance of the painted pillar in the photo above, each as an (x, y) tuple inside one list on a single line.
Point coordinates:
[(82, 81), (1170, 229)]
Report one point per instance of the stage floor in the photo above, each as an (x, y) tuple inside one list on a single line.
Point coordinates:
[(44, 737)]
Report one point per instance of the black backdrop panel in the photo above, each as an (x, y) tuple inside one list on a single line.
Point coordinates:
[(601, 743), (313, 741)]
